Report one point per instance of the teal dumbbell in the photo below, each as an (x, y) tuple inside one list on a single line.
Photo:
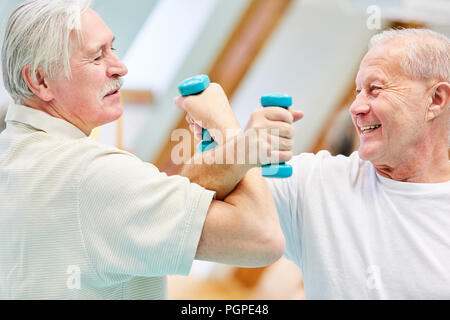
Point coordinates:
[(281, 170), (196, 85)]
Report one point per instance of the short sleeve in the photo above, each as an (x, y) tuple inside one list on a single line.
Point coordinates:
[(137, 221), (289, 198)]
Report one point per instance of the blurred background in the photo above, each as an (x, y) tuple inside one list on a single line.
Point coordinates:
[(310, 49)]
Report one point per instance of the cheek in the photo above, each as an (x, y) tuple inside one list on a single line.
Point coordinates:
[(88, 95), (67, 96), (79, 99), (383, 110), (89, 80), (402, 121)]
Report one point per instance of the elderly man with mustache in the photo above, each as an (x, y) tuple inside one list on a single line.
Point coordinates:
[(80, 220)]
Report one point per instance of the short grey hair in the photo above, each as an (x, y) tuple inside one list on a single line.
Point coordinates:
[(38, 34), (427, 54)]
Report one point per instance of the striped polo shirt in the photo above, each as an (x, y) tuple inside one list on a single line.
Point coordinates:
[(82, 220)]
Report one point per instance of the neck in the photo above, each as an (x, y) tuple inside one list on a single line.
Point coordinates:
[(57, 113), (429, 164)]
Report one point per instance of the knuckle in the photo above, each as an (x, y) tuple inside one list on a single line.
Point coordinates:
[(289, 117), (290, 132), (188, 104), (215, 85), (288, 144), (286, 156)]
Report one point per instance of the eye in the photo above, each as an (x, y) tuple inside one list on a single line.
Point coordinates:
[(375, 88), (358, 91), (101, 55), (98, 56)]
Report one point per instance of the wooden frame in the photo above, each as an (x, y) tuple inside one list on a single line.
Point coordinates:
[(246, 41)]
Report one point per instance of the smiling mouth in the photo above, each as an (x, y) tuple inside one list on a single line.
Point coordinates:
[(367, 129)]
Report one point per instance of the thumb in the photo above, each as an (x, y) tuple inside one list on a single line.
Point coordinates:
[(179, 102), (296, 114)]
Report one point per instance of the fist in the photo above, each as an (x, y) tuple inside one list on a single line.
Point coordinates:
[(270, 134), (209, 110)]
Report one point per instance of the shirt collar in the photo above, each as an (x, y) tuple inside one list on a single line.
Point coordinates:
[(41, 120)]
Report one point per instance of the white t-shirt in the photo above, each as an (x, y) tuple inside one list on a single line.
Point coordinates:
[(81, 220), (357, 235)]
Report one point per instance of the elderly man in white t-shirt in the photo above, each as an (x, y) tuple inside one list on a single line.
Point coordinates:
[(376, 225), (81, 220)]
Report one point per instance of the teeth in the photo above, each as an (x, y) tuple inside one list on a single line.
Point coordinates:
[(370, 127)]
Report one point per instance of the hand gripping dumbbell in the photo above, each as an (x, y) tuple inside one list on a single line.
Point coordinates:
[(281, 170), (196, 85)]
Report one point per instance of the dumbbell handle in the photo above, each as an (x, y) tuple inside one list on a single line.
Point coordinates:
[(280, 170), (196, 85)]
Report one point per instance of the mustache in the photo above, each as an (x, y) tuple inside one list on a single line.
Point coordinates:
[(112, 86)]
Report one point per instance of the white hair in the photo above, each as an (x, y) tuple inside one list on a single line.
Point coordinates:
[(38, 34), (427, 54)]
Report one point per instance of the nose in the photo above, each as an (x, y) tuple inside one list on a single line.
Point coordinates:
[(116, 68), (359, 106)]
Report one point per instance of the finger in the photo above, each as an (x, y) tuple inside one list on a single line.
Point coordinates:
[(198, 132), (281, 129), (179, 102), (280, 156), (278, 114), (296, 114), (280, 143), (189, 119)]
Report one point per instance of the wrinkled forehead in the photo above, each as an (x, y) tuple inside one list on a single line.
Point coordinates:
[(382, 60), (93, 33)]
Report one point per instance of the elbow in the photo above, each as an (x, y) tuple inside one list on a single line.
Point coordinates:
[(265, 248), (272, 240), (275, 247), (272, 245), (281, 247), (268, 240)]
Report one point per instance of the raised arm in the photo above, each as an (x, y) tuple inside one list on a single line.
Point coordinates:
[(267, 138), (243, 229)]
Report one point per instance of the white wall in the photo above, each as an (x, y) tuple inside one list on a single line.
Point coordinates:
[(313, 55)]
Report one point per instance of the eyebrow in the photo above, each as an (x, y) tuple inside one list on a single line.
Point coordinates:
[(371, 78), (94, 50)]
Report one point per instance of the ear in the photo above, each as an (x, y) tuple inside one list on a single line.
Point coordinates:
[(440, 98), (37, 85)]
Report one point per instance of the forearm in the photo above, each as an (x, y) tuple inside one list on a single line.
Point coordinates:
[(244, 227), (269, 132), (222, 168)]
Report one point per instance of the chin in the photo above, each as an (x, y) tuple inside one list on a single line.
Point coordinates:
[(113, 112), (119, 112), (369, 153), (108, 115)]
